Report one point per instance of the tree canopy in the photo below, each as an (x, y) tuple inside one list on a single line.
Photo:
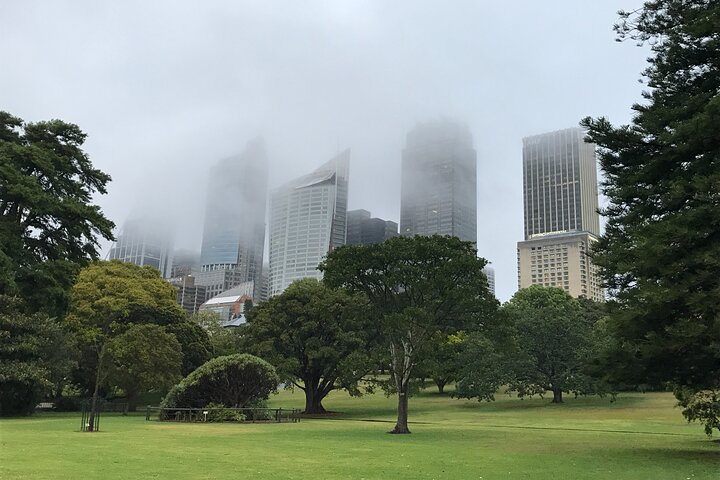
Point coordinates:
[(48, 226), (417, 287), (144, 357), (660, 254), (318, 338), (106, 300), (36, 357)]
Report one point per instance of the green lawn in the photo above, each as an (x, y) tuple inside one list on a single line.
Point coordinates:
[(641, 436)]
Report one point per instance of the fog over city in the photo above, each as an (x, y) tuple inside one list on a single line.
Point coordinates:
[(165, 90)]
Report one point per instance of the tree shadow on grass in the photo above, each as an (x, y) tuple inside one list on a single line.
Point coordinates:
[(709, 456), (510, 404)]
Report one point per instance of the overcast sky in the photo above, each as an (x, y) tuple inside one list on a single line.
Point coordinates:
[(166, 89)]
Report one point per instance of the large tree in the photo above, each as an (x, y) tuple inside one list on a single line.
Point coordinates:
[(48, 226), (195, 343), (418, 287), (36, 357), (107, 299), (553, 341), (318, 338), (660, 254), (144, 357)]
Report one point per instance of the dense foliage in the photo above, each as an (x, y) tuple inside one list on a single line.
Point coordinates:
[(36, 357), (417, 287), (195, 343), (660, 255), (231, 381), (144, 357), (48, 226), (107, 299), (318, 338)]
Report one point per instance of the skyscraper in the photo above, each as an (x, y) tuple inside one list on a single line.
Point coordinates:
[(561, 218), (308, 218), (144, 241), (439, 184), (363, 229), (560, 183), (234, 230)]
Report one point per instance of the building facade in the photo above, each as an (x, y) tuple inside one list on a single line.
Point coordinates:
[(308, 218), (561, 218), (234, 228), (490, 274), (188, 295), (439, 182), (363, 229), (562, 261), (143, 241), (560, 183)]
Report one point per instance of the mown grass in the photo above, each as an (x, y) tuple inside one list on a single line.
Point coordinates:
[(638, 436)]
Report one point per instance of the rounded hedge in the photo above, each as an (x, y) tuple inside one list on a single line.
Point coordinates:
[(232, 381)]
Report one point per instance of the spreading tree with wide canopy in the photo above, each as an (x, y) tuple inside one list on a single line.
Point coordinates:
[(418, 288)]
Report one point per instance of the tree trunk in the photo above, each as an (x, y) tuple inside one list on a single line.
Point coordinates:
[(557, 395), (441, 382), (96, 391), (402, 411), (313, 401), (131, 401)]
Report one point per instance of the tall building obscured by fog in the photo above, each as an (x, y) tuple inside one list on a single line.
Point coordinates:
[(308, 218), (144, 241), (490, 274), (184, 262), (362, 229), (561, 218), (439, 184), (234, 230)]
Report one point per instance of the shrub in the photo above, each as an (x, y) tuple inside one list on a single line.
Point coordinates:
[(218, 413), (230, 381)]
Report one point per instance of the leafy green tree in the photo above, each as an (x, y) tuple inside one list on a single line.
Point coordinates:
[(195, 343), (232, 381), (48, 226), (418, 287), (144, 357), (36, 358), (553, 338), (108, 298), (442, 362), (701, 406), (224, 341), (319, 339), (660, 254)]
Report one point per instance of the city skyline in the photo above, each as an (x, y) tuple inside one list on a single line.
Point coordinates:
[(309, 78)]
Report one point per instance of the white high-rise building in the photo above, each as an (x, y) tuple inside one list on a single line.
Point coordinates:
[(308, 218), (144, 240)]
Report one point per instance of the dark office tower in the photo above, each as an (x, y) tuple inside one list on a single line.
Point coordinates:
[(234, 231), (144, 241), (439, 184), (364, 230), (560, 183)]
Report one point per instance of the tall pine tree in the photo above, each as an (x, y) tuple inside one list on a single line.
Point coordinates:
[(660, 254)]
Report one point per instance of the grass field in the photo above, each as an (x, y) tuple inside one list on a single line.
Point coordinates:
[(640, 436)]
